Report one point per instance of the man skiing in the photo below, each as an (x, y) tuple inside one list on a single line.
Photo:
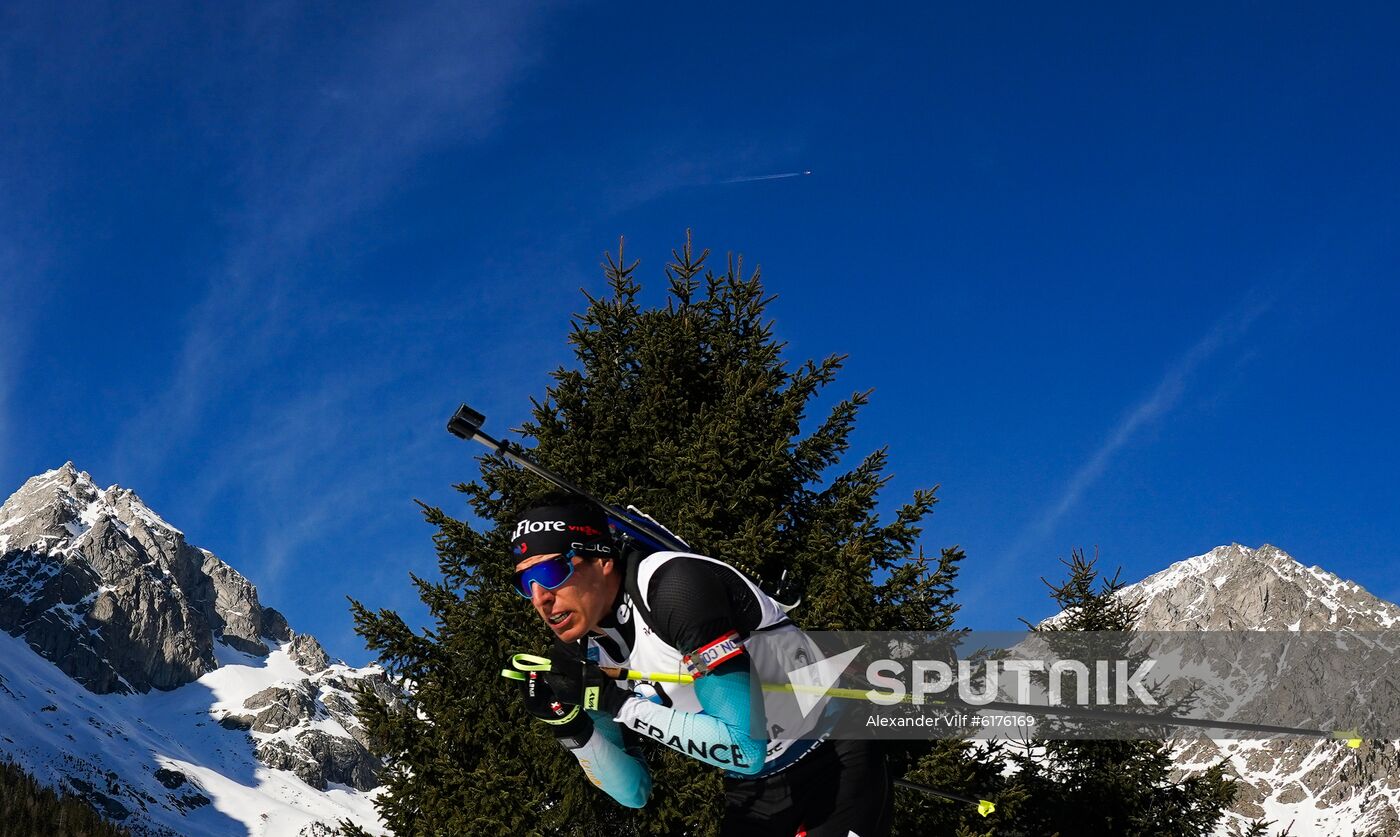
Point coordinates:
[(676, 612)]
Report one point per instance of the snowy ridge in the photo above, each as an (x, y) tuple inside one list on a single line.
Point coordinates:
[(86, 504)]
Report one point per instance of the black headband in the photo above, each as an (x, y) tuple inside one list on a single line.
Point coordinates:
[(545, 530)]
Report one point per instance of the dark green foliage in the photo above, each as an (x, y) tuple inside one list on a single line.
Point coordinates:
[(1260, 828), (28, 808), (957, 766), (1115, 787), (689, 412)]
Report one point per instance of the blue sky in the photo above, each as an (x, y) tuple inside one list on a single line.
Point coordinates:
[(1119, 278)]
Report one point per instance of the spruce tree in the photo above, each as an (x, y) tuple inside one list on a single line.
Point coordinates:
[(689, 411), (1108, 787)]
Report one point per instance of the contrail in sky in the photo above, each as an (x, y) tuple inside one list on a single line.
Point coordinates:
[(1158, 403), (767, 177)]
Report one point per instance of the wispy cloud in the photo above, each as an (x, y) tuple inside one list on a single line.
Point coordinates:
[(1151, 409), (10, 348), (21, 291), (312, 147), (310, 470)]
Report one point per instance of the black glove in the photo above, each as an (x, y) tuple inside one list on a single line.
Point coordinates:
[(578, 681), (570, 724)]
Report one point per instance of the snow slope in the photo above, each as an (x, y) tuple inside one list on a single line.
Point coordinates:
[(161, 762)]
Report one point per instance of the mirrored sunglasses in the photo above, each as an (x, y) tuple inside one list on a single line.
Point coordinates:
[(547, 574)]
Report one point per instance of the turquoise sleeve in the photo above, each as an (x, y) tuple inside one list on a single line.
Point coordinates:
[(608, 765), (719, 735)]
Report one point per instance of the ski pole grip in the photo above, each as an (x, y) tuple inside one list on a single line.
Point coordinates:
[(465, 423)]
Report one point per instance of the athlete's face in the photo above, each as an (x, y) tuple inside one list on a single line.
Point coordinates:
[(579, 604)]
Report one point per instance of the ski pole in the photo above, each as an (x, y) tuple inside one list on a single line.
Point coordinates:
[(522, 664), (1350, 736), (466, 424), (985, 807)]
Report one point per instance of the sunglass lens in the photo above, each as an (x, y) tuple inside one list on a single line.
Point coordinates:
[(548, 574)]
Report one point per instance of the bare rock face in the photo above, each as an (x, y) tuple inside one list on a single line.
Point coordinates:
[(288, 726), (319, 759), (275, 626), (339, 691), (100, 585), (232, 604), (280, 708), (341, 760), (1326, 788), (310, 657)]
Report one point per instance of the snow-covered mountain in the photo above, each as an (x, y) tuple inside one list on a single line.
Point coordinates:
[(1317, 788), (143, 673), (1235, 588)]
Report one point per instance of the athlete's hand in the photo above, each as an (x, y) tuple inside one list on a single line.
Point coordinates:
[(570, 724), (579, 681)]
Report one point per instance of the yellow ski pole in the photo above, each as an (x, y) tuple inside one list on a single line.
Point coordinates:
[(522, 663)]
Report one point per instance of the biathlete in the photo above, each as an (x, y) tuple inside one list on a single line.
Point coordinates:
[(673, 612)]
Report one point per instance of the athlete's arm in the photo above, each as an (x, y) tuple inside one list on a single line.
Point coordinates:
[(705, 609), (593, 738), (719, 735), (609, 765)]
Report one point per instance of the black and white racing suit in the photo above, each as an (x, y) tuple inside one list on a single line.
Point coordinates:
[(695, 617)]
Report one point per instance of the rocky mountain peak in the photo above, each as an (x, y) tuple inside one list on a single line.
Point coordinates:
[(1235, 587), (110, 592), (163, 654), (1319, 788)]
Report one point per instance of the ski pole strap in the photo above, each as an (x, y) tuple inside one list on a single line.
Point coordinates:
[(529, 662), (525, 666), (522, 664)]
